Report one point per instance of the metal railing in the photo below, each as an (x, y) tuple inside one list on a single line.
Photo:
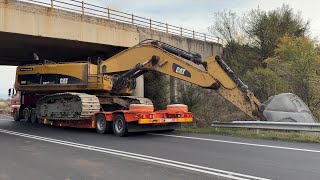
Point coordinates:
[(286, 126), (85, 8)]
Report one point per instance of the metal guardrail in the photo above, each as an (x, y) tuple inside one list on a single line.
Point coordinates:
[(288, 126), (85, 8)]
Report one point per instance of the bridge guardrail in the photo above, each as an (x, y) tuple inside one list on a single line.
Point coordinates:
[(85, 8), (288, 126)]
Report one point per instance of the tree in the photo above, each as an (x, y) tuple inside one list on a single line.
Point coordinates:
[(238, 54), (156, 89), (266, 28), (190, 95), (241, 58), (253, 37), (265, 83), (226, 26), (296, 60)]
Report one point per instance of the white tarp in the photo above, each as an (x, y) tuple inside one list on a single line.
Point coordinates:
[(287, 107)]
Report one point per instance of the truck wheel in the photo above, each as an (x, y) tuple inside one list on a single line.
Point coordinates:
[(16, 116), (26, 114), (101, 124), (33, 116), (120, 126)]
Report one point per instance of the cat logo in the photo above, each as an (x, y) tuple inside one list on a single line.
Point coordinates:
[(180, 70), (64, 80)]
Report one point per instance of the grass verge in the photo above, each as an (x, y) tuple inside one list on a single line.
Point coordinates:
[(306, 137)]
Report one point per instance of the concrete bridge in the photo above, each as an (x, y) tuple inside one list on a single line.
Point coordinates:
[(75, 30)]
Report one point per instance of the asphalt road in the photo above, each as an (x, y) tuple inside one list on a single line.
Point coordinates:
[(43, 152)]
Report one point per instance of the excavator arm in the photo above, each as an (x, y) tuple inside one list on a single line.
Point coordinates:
[(213, 73)]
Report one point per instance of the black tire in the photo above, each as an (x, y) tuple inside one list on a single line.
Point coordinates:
[(101, 124), (120, 127), (33, 116), (16, 116), (26, 114)]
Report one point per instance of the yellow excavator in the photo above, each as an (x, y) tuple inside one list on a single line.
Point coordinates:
[(69, 92)]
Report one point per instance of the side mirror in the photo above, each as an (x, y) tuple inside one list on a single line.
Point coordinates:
[(9, 92)]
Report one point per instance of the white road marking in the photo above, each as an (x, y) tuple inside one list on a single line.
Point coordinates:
[(239, 143), (8, 118), (167, 162)]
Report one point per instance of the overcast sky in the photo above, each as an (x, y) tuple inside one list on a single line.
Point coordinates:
[(192, 14)]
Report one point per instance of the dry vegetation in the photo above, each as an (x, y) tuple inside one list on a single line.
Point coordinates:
[(4, 107)]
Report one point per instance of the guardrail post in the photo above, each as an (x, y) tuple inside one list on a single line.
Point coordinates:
[(167, 29), (51, 3), (132, 18), (108, 13), (150, 24), (205, 36), (218, 40), (82, 7), (193, 34), (181, 31)]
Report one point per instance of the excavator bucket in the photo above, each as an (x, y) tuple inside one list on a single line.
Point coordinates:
[(287, 107)]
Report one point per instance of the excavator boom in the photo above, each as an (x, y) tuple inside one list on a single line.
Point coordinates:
[(210, 74)]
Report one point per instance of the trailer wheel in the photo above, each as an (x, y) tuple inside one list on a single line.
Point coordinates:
[(101, 124), (16, 116), (26, 114), (33, 116), (120, 126)]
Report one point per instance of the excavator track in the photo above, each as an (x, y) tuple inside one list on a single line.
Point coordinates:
[(136, 100), (67, 106)]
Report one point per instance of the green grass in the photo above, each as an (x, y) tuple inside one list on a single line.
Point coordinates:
[(306, 137)]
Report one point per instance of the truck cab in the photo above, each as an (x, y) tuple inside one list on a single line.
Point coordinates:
[(15, 103), (21, 105)]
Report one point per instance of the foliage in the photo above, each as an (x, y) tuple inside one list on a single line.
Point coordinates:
[(226, 26), (155, 89), (237, 52), (253, 37), (265, 83), (190, 95), (266, 28), (210, 106), (4, 107), (297, 62), (241, 58)]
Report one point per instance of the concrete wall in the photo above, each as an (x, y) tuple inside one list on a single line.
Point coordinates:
[(205, 49), (29, 19)]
